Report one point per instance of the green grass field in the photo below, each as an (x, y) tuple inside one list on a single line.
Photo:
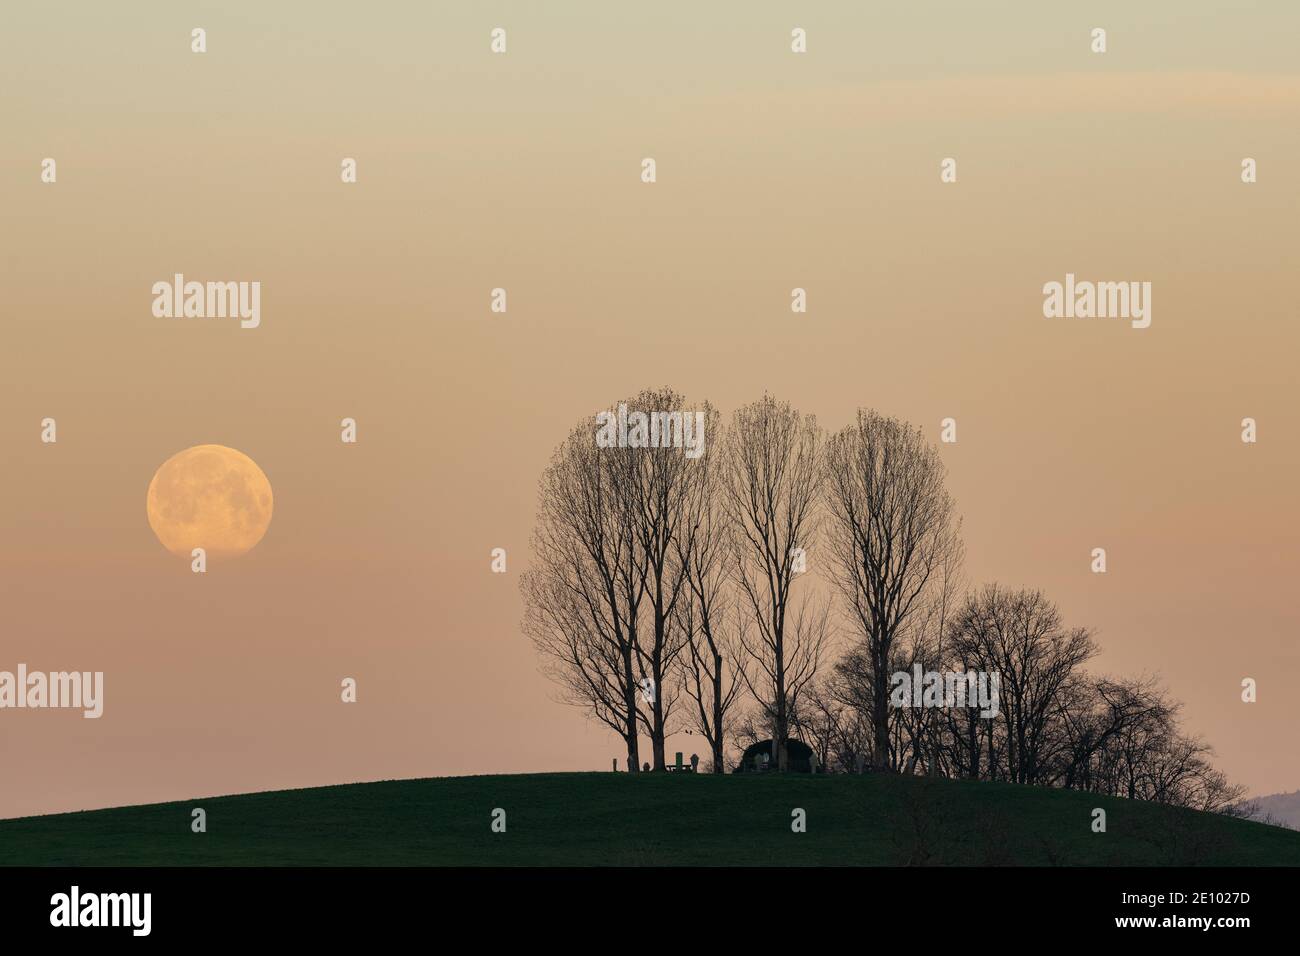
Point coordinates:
[(604, 819)]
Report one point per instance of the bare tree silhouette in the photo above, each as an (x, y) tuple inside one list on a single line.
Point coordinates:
[(773, 479), (658, 483), (583, 595), (714, 658), (893, 537)]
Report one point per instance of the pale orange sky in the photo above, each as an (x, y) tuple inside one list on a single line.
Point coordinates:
[(521, 171)]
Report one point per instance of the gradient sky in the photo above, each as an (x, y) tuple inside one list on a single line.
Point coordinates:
[(522, 171)]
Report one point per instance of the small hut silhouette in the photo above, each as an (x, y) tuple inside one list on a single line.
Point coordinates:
[(798, 752)]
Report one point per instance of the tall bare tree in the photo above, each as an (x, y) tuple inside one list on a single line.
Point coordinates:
[(584, 593), (659, 483), (892, 536), (771, 489), (705, 551)]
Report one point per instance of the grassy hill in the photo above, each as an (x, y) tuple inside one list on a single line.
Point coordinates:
[(650, 819)]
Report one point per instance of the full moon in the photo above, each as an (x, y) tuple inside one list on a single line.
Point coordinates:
[(209, 497)]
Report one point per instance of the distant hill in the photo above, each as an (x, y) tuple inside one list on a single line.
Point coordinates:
[(1280, 808), (649, 819)]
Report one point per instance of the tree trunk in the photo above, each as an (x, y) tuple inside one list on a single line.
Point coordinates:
[(780, 735), (657, 738), (629, 701), (633, 755), (717, 740), (880, 715), (781, 728), (973, 740), (657, 733)]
